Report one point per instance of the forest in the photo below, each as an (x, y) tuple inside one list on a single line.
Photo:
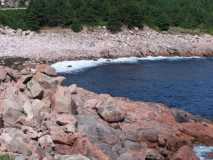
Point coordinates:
[(158, 14)]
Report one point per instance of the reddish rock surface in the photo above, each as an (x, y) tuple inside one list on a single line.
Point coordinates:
[(185, 153), (73, 121)]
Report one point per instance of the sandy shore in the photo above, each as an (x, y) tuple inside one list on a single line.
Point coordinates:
[(63, 44)]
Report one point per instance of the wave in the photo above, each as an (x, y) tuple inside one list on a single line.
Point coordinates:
[(202, 151), (78, 65)]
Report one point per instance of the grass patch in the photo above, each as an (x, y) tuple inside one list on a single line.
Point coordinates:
[(6, 157)]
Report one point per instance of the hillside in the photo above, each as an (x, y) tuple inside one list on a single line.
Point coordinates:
[(158, 14)]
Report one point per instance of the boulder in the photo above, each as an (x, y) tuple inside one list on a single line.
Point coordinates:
[(48, 81), (63, 102), (68, 122), (73, 89), (46, 69), (64, 119), (59, 136), (71, 157), (132, 156), (3, 74), (16, 141), (36, 91), (46, 142), (111, 114), (185, 153), (13, 106)]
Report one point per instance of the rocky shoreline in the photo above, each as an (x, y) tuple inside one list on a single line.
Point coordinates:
[(41, 119), (59, 44)]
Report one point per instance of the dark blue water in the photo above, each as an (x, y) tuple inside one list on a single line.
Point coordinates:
[(185, 84)]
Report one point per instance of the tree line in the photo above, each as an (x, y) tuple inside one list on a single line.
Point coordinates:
[(159, 14)]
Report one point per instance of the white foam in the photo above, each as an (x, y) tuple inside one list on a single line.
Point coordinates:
[(202, 151), (73, 66)]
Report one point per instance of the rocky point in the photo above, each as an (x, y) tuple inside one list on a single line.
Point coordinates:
[(41, 119)]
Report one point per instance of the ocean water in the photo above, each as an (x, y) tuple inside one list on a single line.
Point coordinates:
[(185, 83), (182, 82)]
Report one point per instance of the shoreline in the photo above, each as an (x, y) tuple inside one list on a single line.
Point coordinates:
[(20, 63), (97, 125), (59, 44)]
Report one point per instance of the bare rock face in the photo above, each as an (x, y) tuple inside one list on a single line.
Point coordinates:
[(35, 89), (70, 123), (13, 104), (111, 113), (3, 74), (63, 102), (15, 141), (185, 153)]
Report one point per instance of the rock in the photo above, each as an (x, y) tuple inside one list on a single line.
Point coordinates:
[(130, 145), (36, 91), (71, 157), (201, 131), (210, 155), (185, 153), (30, 132), (111, 114), (20, 157), (28, 110), (13, 106), (132, 156), (46, 69), (3, 74), (46, 143), (73, 89), (60, 136), (148, 134), (68, 122), (69, 128), (15, 141), (63, 102), (152, 154), (64, 119), (47, 81)]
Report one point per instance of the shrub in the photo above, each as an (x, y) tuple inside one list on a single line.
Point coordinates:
[(76, 26), (162, 14)]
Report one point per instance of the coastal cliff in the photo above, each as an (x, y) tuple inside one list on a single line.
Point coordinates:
[(41, 119), (62, 44)]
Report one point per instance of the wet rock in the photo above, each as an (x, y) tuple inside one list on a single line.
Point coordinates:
[(46, 69), (210, 155), (111, 114), (36, 91), (185, 153)]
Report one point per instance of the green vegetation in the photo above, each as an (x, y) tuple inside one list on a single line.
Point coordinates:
[(158, 14), (5, 157)]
